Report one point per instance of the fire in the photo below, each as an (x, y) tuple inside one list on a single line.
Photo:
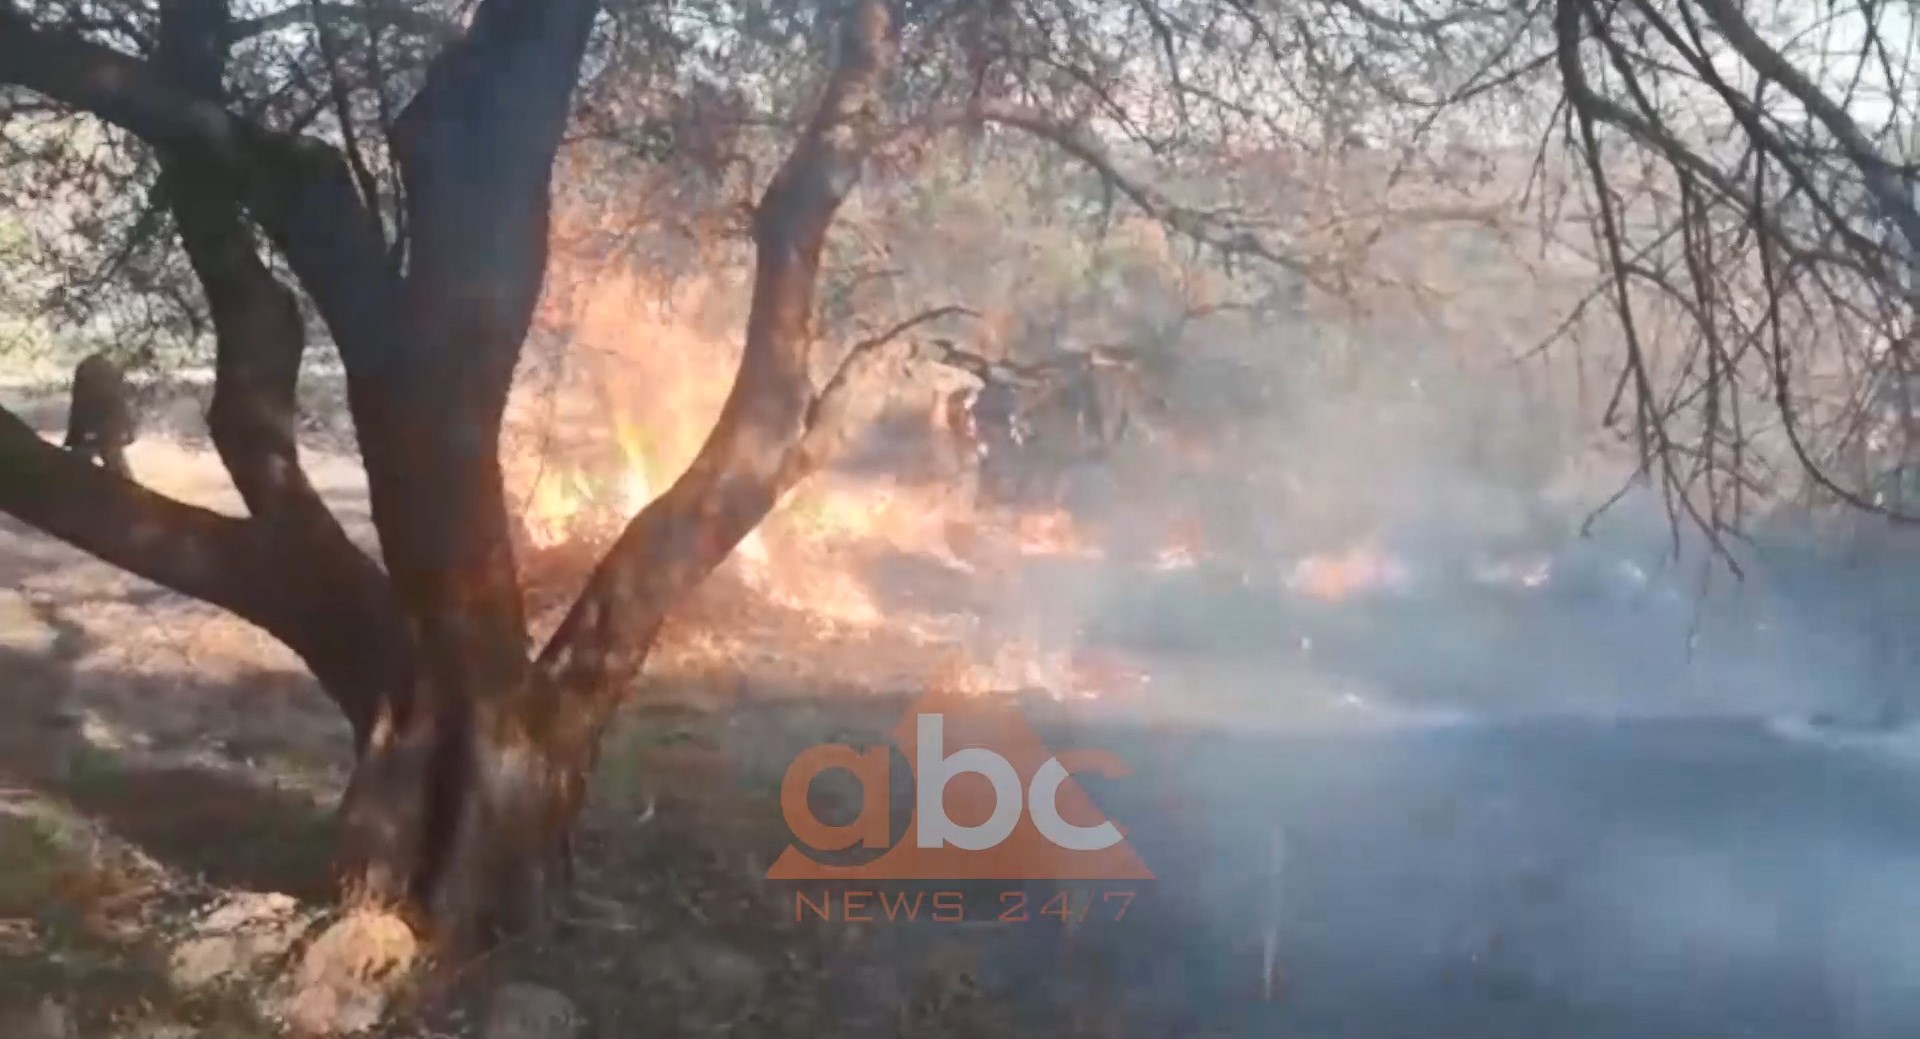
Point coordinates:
[(832, 597), (651, 368), (832, 514), (1096, 673), (567, 504), (553, 506), (1182, 549), (1013, 665), (1052, 533), (866, 511), (1338, 576), (753, 549), (633, 489)]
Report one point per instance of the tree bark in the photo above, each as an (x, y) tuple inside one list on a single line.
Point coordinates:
[(772, 429), (473, 757), (228, 562), (451, 813), (350, 629), (505, 766)]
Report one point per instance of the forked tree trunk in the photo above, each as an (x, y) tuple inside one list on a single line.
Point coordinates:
[(462, 805), (458, 815), (473, 757)]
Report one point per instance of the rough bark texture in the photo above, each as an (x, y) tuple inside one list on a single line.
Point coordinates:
[(350, 634), (473, 754)]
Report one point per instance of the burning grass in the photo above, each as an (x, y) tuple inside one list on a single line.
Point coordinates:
[(1336, 576), (652, 366)]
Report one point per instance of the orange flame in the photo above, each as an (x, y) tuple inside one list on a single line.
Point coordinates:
[(1052, 533), (813, 560), (1334, 577), (569, 504), (633, 490), (551, 508), (1183, 547)]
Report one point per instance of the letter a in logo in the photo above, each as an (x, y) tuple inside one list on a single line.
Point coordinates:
[(977, 759)]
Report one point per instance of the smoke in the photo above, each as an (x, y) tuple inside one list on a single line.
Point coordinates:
[(1391, 503), (1453, 754), (1407, 520), (1536, 770), (1529, 767), (1396, 513)]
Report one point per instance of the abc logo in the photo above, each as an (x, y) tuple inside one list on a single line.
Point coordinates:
[(1023, 797)]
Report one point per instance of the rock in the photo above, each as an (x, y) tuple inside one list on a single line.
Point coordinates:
[(21, 628), (161, 1030), (237, 938), (726, 979), (348, 976), (725, 971), (205, 961), (19, 938), (245, 908), (50, 1020), (523, 1011)]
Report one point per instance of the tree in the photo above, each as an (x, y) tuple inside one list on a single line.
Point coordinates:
[(1744, 172), (267, 154), (418, 234)]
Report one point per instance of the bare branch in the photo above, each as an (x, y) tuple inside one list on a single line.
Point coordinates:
[(1881, 177), (1464, 14), (416, 19), (827, 424), (1222, 234), (746, 464)]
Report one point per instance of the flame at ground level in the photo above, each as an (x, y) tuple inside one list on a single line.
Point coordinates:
[(567, 503), (1053, 533), (1333, 577), (566, 506)]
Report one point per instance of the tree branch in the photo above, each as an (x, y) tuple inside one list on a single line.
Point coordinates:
[(341, 95), (191, 550), (1882, 179), (412, 18), (339, 611), (298, 188), (827, 421), (747, 461), (1205, 228), (1463, 14), (216, 559), (119, 88)]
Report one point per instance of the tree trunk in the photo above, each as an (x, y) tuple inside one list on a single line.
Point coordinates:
[(461, 807), (473, 757), (458, 816)]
